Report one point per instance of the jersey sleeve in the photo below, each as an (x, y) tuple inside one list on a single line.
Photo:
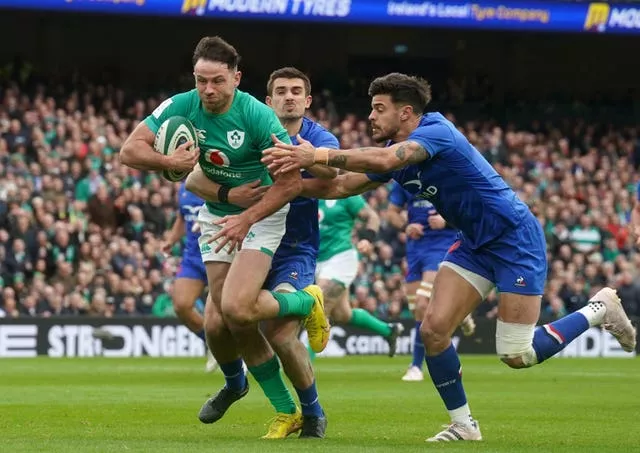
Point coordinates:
[(326, 140), (355, 205), (433, 138), (264, 122), (398, 196), (178, 105)]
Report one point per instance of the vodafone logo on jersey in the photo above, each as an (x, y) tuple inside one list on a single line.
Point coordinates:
[(216, 157)]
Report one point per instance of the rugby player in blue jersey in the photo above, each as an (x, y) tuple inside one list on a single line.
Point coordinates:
[(294, 263), (191, 278), (428, 240), (501, 243)]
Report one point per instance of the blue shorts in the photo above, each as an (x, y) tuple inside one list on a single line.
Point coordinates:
[(193, 268), (515, 262), (297, 269), (420, 261)]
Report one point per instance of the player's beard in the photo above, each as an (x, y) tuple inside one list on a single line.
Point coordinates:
[(384, 136), (215, 105), (290, 116)]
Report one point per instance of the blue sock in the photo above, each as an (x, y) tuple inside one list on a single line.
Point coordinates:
[(446, 375), (200, 335), (552, 338), (309, 401), (418, 347), (234, 375)]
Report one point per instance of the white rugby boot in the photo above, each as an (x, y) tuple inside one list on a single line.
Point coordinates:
[(458, 431), (413, 374), (615, 319)]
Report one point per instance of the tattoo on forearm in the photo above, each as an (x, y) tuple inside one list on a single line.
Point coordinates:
[(411, 152), (338, 161)]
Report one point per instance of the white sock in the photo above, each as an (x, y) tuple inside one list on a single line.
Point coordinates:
[(594, 312), (461, 415)]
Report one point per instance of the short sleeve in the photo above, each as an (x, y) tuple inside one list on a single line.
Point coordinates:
[(178, 105), (264, 122), (398, 196), (326, 139), (355, 205), (433, 138)]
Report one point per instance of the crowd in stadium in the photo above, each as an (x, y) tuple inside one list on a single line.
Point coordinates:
[(80, 233)]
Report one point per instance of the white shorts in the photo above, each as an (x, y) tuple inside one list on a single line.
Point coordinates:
[(264, 236), (342, 267)]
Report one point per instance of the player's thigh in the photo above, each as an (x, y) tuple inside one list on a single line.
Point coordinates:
[(216, 274), (341, 313), (453, 298), (185, 293), (245, 279), (336, 274), (460, 284), (520, 266)]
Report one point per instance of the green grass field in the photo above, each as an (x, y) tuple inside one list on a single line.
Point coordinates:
[(150, 405)]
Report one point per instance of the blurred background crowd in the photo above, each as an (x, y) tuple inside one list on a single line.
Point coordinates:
[(80, 233)]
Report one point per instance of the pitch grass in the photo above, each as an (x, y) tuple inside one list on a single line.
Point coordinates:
[(150, 405)]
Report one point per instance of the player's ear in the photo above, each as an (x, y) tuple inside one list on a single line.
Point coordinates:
[(405, 112), (307, 102), (267, 101), (236, 78)]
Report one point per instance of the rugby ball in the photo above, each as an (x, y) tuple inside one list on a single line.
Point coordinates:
[(172, 133)]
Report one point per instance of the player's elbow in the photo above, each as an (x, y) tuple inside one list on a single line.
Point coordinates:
[(191, 183), (126, 154)]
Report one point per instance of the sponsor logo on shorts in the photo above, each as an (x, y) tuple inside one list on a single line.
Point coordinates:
[(251, 236), (293, 275), (520, 282), (205, 248)]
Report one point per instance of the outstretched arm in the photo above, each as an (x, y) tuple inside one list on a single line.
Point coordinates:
[(342, 186), (362, 160)]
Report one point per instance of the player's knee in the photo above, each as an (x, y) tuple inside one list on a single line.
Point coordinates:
[(213, 323), (514, 344), (182, 306), (239, 313), (435, 333), (332, 290)]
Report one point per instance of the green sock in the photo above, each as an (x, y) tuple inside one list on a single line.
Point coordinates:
[(362, 318), (298, 303), (268, 376)]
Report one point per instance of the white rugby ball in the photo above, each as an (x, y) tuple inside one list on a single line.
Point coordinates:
[(172, 133)]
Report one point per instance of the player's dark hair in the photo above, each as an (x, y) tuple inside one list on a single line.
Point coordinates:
[(214, 48), (403, 89), (289, 73)]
